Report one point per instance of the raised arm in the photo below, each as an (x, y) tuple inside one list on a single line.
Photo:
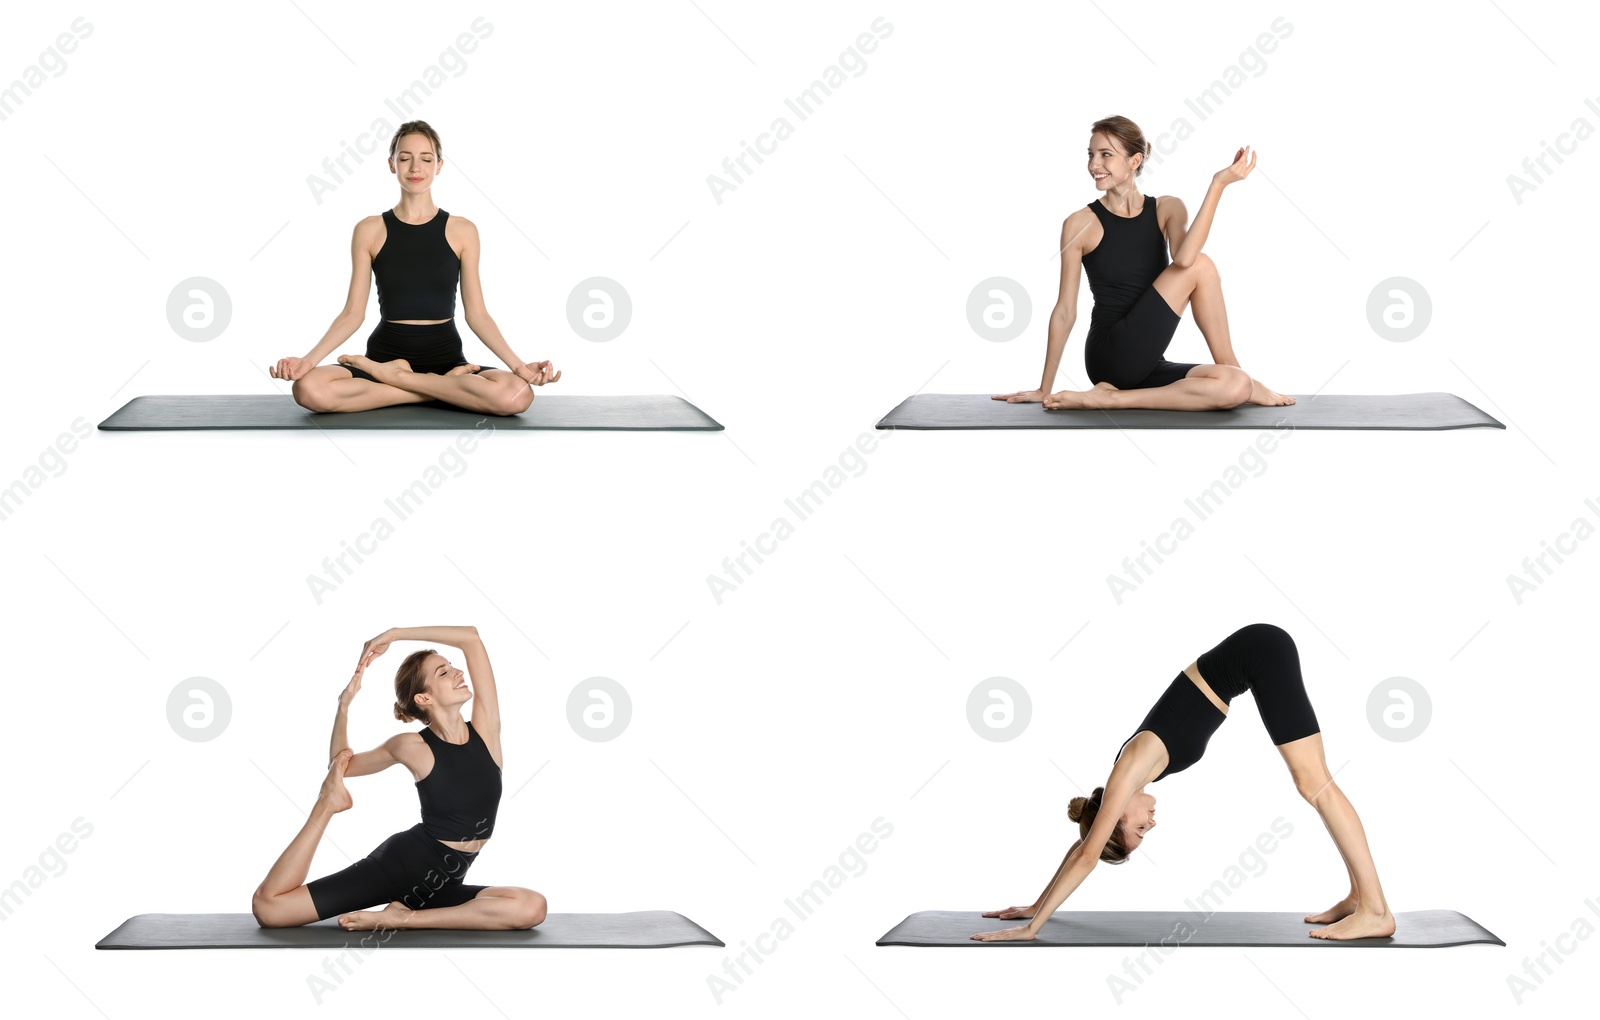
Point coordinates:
[(485, 696), (1187, 242)]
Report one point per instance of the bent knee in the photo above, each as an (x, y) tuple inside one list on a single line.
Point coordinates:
[(534, 907), (1204, 265), (1235, 388), (514, 401), (313, 396), (266, 912)]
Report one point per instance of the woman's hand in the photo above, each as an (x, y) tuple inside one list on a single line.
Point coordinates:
[(537, 373), (374, 648), (1244, 161), (1011, 913), (1021, 397), (1018, 934), (352, 688), (290, 368)]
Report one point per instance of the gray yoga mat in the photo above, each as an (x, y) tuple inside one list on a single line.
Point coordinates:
[(1412, 928), (279, 411), (640, 929), (1407, 411)]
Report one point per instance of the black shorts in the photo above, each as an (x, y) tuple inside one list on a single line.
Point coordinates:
[(1130, 353), (427, 348), (410, 866), (1262, 659)]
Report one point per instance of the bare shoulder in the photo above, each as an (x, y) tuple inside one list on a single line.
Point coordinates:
[(1171, 205), (369, 234), (409, 749), (1081, 231), (461, 232)]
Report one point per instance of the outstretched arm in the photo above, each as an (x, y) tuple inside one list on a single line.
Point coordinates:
[(1127, 775)]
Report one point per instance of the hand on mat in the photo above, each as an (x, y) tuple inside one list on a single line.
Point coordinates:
[(537, 373), (1021, 397), (290, 368), (1017, 934), (1244, 161), (1010, 913)]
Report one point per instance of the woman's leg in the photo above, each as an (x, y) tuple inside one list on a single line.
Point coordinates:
[(494, 908), (328, 388), (1204, 388), (493, 391), (1369, 914), (1204, 294), (282, 900)]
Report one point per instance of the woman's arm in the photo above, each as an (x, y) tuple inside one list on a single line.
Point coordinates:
[(455, 637), (485, 696), (1130, 772), (351, 315), (1065, 313), (1194, 239), (475, 311)]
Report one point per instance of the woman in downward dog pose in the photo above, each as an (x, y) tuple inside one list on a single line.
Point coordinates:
[(1121, 239), (418, 252), (1119, 816), (418, 875)]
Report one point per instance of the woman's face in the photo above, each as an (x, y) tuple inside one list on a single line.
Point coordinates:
[(1138, 820), (1109, 165), (446, 685), (414, 162)]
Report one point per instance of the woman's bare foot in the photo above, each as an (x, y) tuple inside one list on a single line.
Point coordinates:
[(371, 920), (1338, 912), (383, 371), (462, 370), (1073, 399), (1362, 924), (333, 794), (1261, 394)]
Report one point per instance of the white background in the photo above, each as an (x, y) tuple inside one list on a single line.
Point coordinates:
[(830, 689)]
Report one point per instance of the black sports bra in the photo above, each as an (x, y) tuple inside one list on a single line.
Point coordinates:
[(461, 796), (1184, 719)]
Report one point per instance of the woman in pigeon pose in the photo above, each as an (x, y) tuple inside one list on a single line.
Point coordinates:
[(417, 877)]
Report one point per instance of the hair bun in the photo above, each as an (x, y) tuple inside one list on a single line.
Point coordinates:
[(1076, 806), (400, 713)]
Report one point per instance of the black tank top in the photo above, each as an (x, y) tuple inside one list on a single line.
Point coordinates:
[(416, 270), (461, 796), (1125, 263), (1184, 718)]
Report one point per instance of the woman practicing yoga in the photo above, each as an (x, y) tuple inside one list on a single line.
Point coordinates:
[(417, 252), (419, 874), (1117, 818), (1121, 240)]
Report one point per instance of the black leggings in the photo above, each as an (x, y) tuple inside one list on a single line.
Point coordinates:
[(427, 348), (410, 866), (1262, 659), (1130, 353)]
